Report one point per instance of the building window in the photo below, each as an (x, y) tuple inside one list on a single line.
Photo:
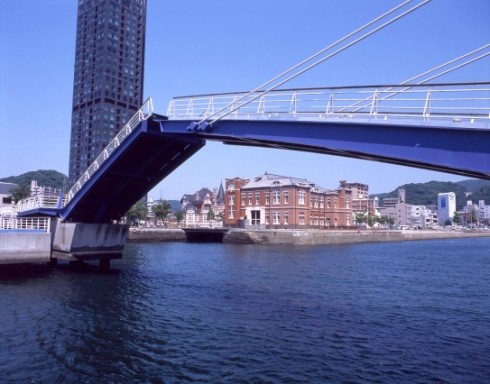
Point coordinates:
[(301, 218), (277, 217), (257, 198), (347, 202), (232, 200), (250, 199), (243, 198), (267, 217), (286, 197), (231, 214), (316, 202), (328, 222), (286, 218), (335, 202), (301, 198), (277, 197), (321, 202), (267, 199), (328, 203)]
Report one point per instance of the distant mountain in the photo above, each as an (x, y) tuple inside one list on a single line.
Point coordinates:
[(44, 178), (175, 205), (426, 193)]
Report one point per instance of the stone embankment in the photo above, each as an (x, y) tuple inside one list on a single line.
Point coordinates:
[(319, 237), (18, 247), (301, 237), (149, 235)]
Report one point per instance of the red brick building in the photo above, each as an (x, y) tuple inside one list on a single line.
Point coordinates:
[(274, 201), (360, 197)]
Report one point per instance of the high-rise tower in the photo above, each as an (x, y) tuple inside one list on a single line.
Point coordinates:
[(108, 82)]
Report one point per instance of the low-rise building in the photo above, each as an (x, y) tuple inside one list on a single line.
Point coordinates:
[(274, 201), (200, 207), (484, 212), (361, 203), (408, 215), (5, 195)]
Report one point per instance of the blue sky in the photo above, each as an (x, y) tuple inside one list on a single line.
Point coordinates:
[(212, 46)]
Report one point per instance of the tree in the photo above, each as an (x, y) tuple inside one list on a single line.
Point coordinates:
[(44, 178), (370, 220), (211, 215), (161, 210), (220, 217), (179, 215), (137, 212), (447, 222), (23, 191), (456, 218), (360, 218)]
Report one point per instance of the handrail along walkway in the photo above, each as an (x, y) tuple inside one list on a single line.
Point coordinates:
[(453, 102)]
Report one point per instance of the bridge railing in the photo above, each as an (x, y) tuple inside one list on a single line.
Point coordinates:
[(142, 114), (454, 101), (42, 201), (26, 223)]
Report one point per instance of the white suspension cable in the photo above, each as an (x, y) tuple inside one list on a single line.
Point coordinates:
[(423, 74), (313, 56), (445, 64), (316, 63)]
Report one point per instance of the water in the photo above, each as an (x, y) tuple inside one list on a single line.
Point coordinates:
[(411, 312)]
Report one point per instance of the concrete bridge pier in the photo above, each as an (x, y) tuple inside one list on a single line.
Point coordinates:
[(77, 242)]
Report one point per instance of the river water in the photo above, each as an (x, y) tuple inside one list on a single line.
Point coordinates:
[(407, 312)]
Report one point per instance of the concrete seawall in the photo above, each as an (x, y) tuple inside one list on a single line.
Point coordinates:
[(306, 237), (24, 247), (149, 235), (301, 237)]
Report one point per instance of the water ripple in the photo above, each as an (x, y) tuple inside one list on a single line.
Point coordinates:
[(177, 312)]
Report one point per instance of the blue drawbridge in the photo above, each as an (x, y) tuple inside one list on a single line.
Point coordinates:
[(328, 121)]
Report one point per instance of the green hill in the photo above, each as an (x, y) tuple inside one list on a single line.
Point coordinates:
[(426, 193), (44, 178)]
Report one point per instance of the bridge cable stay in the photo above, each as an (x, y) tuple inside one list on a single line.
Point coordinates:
[(317, 62), (446, 71), (310, 58)]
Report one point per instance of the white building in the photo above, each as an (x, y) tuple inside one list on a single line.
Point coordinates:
[(446, 206), (407, 214), (483, 212)]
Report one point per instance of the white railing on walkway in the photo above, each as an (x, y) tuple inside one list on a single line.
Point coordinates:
[(452, 101), (43, 201), (26, 223), (142, 114)]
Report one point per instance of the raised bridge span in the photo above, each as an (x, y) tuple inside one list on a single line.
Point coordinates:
[(418, 123), (442, 127)]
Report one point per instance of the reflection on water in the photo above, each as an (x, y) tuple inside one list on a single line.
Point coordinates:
[(187, 312)]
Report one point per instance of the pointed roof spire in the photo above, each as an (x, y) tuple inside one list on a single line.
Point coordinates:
[(220, 197)]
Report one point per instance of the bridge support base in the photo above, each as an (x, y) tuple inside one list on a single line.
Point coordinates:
[(77, 242)]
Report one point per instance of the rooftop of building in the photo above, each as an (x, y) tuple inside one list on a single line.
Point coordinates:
[(6, 187), (269, 180)]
